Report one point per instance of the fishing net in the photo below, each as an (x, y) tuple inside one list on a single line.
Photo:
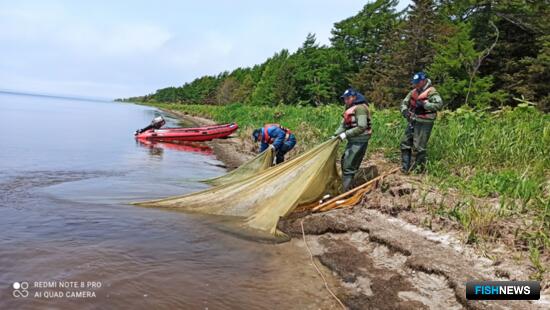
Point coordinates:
[(252, 167), (257, 202)]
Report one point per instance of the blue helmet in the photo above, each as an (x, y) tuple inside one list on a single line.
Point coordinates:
[(419, 76), (359, 98), (348, 93), (256, 134)]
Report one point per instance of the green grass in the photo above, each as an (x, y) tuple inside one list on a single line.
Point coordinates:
[(502, 154)]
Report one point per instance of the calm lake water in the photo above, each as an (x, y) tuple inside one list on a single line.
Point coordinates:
[(69, 168)]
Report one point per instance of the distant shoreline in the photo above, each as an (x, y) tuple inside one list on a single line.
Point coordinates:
[(19, 93)]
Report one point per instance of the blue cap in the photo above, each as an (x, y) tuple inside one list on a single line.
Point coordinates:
[(256, 134), (348, 93), (419, 76)]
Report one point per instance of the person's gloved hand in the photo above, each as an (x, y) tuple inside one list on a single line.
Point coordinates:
[(273, 147), (406, 114), (342, 136), (421, 103)]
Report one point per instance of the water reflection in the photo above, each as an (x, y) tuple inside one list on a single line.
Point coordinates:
[(157, 148), (64, 216)]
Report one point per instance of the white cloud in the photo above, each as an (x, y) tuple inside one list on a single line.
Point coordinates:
[(57, 28), (198, 51), (124, 48), (47, 49), (117, 40)]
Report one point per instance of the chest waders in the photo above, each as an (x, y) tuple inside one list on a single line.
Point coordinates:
[(355, 148), (417, 133)]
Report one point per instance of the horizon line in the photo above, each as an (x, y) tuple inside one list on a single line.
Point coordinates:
[(50, 95)]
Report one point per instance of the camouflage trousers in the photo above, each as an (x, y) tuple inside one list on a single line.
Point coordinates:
[(415, 142)]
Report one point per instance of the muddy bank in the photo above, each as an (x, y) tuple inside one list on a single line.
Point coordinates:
[(387, 256), (386, 263), (380, 254)]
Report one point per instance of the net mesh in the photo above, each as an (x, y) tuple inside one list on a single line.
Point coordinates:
[(252, 167), (257, 199)]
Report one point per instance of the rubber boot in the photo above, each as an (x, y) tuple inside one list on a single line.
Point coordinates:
[(279, 158), (405, 160), (420, 163), (347, 182)]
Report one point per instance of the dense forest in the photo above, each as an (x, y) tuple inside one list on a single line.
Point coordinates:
[(483, 54)]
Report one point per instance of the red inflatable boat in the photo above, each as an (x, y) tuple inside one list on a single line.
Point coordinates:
[(189, 134)]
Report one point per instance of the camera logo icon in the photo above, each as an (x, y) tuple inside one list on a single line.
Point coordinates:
[(20, 289)]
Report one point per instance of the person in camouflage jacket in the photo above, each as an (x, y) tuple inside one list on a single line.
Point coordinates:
[(420, 108), (356, 128)]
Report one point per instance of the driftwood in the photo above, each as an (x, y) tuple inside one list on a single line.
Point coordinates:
[(352, 197)]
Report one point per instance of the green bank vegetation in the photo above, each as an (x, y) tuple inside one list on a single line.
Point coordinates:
[(500, 154), (504, 152)]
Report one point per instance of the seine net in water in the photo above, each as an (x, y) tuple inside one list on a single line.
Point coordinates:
[(252, 167), (258, 200)]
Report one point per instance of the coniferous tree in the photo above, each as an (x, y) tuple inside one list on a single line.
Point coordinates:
[(319, 72), (382, 78), (523, 26), (359, 36), (422, 28), (378, 49), (264, 93), (246, 87), (454, 66), (226, 91), (539, 74)]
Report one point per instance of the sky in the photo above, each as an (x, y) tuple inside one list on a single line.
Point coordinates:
[(116, 49)]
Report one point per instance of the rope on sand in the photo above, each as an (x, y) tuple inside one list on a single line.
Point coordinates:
[(317, 268)]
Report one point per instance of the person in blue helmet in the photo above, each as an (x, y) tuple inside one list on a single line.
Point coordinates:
[(281, 139), (420, 108), (356, 128)]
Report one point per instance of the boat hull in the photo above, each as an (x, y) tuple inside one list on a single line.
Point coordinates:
[(189, 134)]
